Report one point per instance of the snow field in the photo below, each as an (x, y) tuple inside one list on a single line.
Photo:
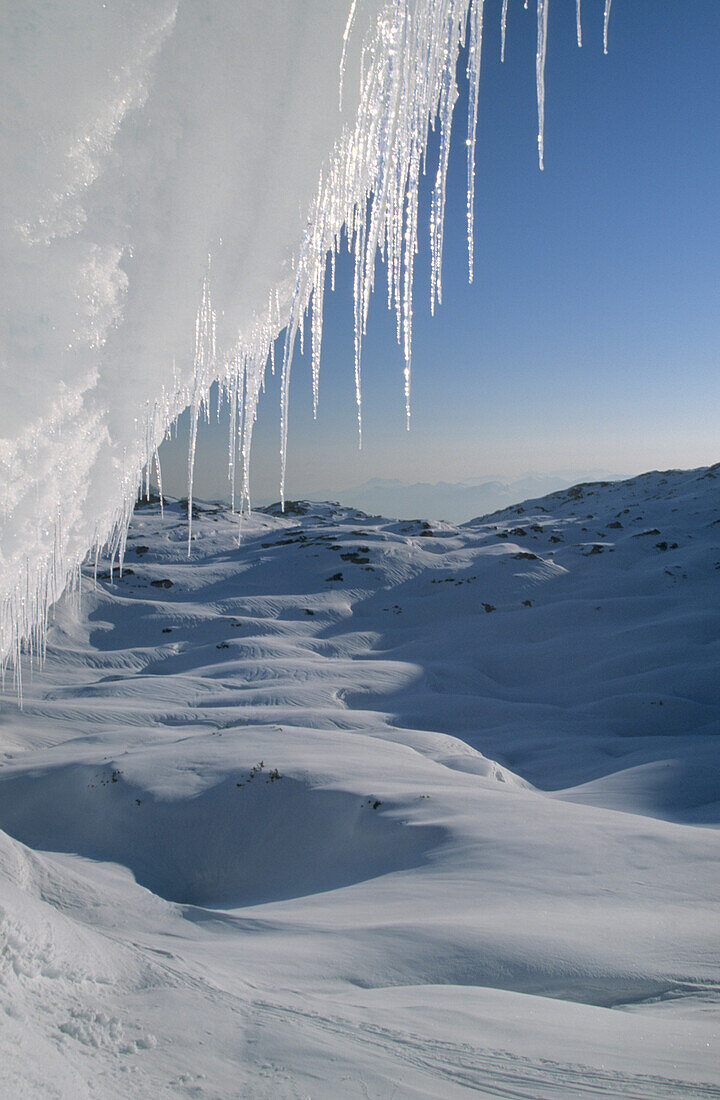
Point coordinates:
[(251, 856)]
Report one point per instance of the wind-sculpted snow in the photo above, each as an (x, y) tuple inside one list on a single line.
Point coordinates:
[(317, 888), (176, 176)]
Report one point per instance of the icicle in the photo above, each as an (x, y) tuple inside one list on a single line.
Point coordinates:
[(158, 472), (359, 326), (503, 28), (317, 323), (346, 37), (473, 72), (448, 95), (232, 441), (290, 335), (606, 22), (542, 17), (204, 365), (578, 22)]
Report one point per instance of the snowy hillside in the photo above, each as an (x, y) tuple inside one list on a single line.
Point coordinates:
[(370, 808)]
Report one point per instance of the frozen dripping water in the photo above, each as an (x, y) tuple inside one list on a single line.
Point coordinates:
[(142, 137)]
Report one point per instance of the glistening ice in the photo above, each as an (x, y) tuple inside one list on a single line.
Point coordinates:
[(177, 176)]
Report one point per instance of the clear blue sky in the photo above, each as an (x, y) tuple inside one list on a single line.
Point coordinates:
[(591, 335)]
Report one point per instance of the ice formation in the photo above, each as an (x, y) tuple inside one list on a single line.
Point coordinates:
[(161, 153)]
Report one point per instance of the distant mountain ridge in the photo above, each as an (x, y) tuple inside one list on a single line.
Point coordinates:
[(457, 501)]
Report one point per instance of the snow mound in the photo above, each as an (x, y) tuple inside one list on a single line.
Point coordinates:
[(257, 836)]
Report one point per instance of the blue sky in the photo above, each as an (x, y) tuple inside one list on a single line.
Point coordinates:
[(591, 335)]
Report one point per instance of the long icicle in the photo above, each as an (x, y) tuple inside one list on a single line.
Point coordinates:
[(503, 28), (578, 22), (542, 19), (473, 72), (606, 22)]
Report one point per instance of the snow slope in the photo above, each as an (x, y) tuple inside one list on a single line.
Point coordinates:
[(372, 808)]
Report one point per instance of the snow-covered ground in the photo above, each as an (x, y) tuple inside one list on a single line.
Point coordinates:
[(363, 808)]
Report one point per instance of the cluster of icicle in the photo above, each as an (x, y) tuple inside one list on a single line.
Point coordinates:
[(368, 190)]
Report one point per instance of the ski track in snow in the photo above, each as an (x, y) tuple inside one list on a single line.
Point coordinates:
[(372, 808)]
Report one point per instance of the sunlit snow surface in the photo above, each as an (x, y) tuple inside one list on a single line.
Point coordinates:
[(175, 176), (375, 808)]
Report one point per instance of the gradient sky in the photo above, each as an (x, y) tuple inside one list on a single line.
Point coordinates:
[(591, 335)]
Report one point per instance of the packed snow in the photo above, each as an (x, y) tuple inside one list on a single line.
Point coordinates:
[(361, 807)]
